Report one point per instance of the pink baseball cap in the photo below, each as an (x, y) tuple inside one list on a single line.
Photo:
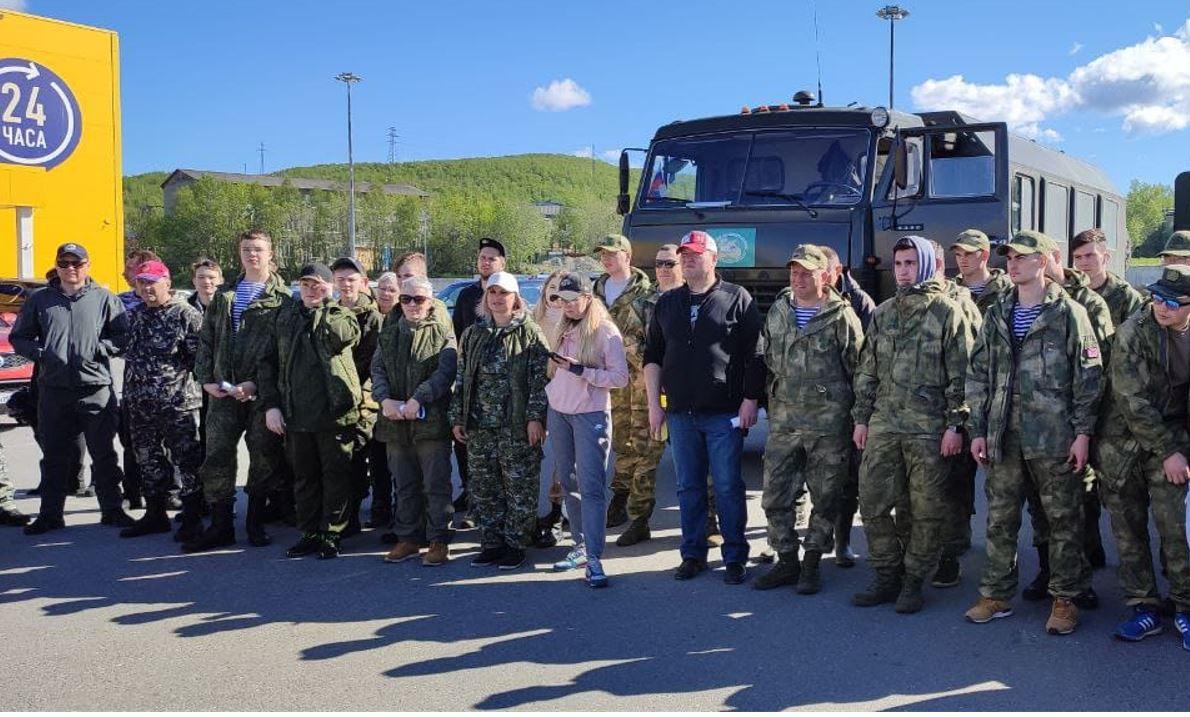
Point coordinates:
[(698, 242), (152, 270)]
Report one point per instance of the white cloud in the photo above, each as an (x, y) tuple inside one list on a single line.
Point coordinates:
[(1147, 84), (13, 4), (559, 96), (1075, 48)]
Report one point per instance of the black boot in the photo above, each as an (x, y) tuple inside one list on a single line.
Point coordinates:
[(354, 527), (1039, 589), (544, 536), (910, 599), (155, 520), (220, 533), (190, 519), (636, 533), (885, 587), (115, 518), (810, 581), (844, 555), (785, 572), (617, 510), (254, 522)]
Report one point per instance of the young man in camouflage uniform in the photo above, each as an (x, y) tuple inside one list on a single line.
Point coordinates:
[(1034, 384), (1177, 249), (310, 393), (971, 250), (161, 401), (909, 413), (624, 289), (351, 281), (234, 336), (1090, 255), (1142, 451), (812, 341), (1078, 286)]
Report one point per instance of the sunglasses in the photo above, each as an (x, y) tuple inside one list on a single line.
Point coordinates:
[(664, 264), (419, 300), (1171, 304), (554, 298), (67, 264)]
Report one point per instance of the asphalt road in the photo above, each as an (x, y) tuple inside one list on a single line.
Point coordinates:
[(90, 621)]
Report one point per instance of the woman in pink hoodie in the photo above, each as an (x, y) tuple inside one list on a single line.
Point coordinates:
[(589, 362)]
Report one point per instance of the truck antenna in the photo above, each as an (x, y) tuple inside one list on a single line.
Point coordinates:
[(818, 54)]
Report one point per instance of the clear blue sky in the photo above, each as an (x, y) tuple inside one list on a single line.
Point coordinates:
[(205, 82)]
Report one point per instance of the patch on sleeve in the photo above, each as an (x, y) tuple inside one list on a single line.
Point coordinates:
[(1091, 351)]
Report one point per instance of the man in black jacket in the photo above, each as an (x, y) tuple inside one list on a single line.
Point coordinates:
[(72, 329), (703, 347)]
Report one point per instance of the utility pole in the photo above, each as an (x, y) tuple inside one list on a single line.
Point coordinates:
[(392, 145), (892, 13), (262, 151), (349, 79)]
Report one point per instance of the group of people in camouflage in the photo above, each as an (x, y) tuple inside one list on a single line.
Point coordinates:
[(1066, 384)]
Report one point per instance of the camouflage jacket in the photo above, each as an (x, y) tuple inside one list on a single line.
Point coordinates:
[(1056, 370), (1122, 300), (526, 357), (224, 356), (307, 370), (962, 296), (628, 312), (368, 316), (810, 370), (159, 359), (911, 368), (419, 362), (1135, 416), (998, 283), (1078, 286)]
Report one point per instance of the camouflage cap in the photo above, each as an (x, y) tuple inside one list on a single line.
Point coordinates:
[(1174, 282), (1178, 244), (613, 242), (971, 240), (808, 256), (1027, 242)]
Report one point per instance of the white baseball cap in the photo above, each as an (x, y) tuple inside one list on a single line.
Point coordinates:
[(504, 280)]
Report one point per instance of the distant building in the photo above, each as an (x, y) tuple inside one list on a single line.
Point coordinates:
[(549, 208), (185, 177)]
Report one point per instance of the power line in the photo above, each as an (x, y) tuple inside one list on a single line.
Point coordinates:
[(392, 145), (262, 150)]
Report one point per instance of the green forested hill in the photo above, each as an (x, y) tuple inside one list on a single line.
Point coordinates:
[(469, 198)]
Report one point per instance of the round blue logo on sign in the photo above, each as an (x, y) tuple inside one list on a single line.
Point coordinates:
[(40, 121)]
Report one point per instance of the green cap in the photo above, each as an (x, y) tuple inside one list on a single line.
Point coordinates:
[(1178, 244), (971, 240), (1174, 282), (1027, 242), (613, 242), (808, 256)]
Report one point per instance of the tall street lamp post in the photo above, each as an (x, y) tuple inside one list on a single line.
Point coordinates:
[(892, 13), (349, 79)]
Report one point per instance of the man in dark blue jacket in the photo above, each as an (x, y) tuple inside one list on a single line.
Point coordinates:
[(72, 329)]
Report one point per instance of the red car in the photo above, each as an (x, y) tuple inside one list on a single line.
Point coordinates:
[(15, 370)]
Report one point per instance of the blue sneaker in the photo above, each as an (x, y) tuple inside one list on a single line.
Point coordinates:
[(1182, 621), (1143, 623), (596, 578), (574, 560)]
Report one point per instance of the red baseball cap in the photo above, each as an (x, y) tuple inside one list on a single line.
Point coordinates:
[(152, 270), (698, 242)]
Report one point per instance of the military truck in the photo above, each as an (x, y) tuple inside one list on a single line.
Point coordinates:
[(774, 176)]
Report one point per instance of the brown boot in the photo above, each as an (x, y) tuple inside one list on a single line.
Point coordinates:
[(1063, 617), (437, 555), (402, 551)]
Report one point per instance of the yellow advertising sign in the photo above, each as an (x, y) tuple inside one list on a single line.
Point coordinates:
[(60, 175)]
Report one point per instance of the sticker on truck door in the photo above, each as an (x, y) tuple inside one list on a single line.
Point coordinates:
[(737, 246)]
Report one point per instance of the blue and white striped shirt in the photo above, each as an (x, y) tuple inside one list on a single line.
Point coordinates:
[(802, 315), (246, 293), (1023, 318)]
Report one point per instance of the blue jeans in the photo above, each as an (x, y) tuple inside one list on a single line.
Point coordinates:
[(581, 446), (700, 441)]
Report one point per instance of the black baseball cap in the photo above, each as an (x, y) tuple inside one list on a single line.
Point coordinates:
[(571, 285), (346, 262), (71, 248), (488, 242), (316, 271)]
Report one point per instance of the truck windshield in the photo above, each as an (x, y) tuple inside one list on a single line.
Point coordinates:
[(806, 167)]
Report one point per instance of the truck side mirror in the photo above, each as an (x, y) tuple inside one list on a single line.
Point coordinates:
[(622, 203), (900, 164)]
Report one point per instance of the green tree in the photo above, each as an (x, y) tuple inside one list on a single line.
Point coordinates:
[(1147, 204)]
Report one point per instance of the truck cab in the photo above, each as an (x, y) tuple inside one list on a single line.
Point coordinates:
[(772, 177)]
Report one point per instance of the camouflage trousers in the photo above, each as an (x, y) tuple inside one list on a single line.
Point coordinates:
[(162, 440), (227, 420), (323, 487), (637, 454), (1092, 509), (960, 491), (903, 470), (505, 471), (1128, 502), (793, 462), (7, 489), (1059, 491)]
